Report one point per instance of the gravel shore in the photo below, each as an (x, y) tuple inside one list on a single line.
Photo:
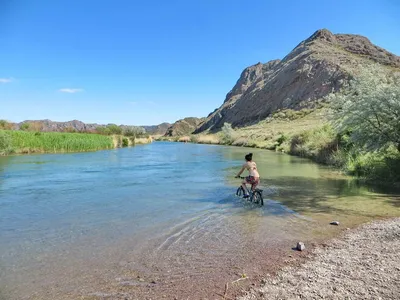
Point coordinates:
[(362, 264)]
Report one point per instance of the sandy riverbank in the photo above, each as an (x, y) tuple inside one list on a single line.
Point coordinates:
[(364, 263)]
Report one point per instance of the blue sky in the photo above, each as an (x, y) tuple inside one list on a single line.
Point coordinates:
[(145, 62)]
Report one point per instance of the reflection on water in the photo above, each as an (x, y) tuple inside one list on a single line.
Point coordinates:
[(160, 208)]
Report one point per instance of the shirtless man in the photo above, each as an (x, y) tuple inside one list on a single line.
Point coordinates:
[(253, 178)]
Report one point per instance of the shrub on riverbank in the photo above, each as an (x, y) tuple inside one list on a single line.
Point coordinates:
[(227, 134), (41, 142), (5, 143), (379, 166), (319, 145), (5, 125), (369, 109)]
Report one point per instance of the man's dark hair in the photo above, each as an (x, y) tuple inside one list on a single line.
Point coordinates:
[(249, 157)]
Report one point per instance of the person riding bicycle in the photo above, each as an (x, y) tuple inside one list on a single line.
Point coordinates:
[(253, 178)]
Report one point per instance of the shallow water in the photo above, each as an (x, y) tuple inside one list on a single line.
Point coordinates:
[(161, 219)]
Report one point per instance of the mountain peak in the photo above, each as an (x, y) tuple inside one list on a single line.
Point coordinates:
[(322, 34), (316, 67)]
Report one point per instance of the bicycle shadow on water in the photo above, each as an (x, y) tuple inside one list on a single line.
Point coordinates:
[(238, 205)]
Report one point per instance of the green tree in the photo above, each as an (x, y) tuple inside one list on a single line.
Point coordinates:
[(369, 109), (102, 130), (24, 126), (114, 129), (134, 131)]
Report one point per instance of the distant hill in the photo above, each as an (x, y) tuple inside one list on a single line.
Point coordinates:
[(160, 129), (79, 126), (319, 65), (184, 127), (52, 126)]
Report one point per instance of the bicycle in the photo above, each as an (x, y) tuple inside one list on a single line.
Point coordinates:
[(255, 197)]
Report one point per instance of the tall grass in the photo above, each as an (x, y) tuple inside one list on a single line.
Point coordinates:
[(376, 166), (5, 143), (40, 142), (319, 144)]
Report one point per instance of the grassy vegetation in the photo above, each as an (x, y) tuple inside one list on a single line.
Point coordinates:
[(30, 139), (309, 135), (40, 142), (5, 143)]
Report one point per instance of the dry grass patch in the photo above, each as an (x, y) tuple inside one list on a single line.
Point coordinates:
[(139, 141), (184, 139), (208, 139)]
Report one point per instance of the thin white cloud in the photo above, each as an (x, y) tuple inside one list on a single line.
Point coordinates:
[(6, 80), (70, 91)]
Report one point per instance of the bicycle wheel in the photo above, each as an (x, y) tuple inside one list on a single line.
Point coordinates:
[(240, 191), (257, 198)]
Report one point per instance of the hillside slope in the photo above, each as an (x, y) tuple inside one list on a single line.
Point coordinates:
[(319, 65), (184, 126)]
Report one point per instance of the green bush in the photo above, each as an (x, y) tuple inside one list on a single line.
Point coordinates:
[(5, 125), (369, 109), (134, 131), (383, 166), (5, 143), (24, 126), (228, 134), (125, 142), (114, 129), (282, 138), (103, 130), (318, 144)]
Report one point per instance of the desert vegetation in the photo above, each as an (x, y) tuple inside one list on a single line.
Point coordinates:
[(29, 139), (356, 130)]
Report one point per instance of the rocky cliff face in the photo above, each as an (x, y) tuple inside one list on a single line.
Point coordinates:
[(184, 127), (319, 65)]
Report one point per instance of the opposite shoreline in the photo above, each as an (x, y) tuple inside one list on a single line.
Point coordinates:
[(28, 142)]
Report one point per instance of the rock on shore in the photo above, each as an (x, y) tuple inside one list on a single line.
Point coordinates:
[(362, 264)]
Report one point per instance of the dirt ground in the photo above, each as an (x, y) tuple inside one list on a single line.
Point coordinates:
[(364, 263)]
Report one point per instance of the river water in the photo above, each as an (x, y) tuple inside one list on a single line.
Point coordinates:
[(162, 221)]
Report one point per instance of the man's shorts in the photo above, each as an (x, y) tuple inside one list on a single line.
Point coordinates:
[(253, 181)]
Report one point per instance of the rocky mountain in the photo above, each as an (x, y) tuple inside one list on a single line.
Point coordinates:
[(319, 65), (52, 126), (160, 129), (79, 126), (184, 127)]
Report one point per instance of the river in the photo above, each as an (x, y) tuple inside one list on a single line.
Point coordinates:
[(162, 221)]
